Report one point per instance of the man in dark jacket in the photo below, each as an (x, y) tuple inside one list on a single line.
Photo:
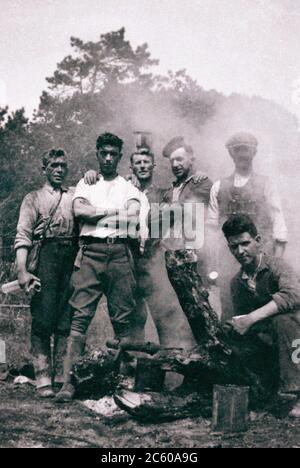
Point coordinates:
[(190, 196)]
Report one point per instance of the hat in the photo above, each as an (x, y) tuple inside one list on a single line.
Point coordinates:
[(242, 139), (175, 144)]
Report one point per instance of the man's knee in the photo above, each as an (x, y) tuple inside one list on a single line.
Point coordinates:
[(281, 322)]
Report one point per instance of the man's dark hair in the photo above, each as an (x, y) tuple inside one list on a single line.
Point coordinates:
[(53, 153), (109, 139), (143, 151), (238, 224), (175, 144)]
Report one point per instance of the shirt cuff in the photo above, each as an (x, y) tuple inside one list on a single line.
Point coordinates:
[(25, 244)]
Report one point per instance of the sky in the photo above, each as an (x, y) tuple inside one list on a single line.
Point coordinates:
[(245, 46)]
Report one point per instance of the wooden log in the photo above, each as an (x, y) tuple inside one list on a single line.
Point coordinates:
[(222, 356), (149, 376), (159, 407), (96, 375), (193, 297)]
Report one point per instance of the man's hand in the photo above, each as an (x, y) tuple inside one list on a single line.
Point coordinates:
[(242, 323), (134, 180), (28, 281), (91, 177)]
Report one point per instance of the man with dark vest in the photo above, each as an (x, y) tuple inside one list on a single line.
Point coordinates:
[(246, 193)]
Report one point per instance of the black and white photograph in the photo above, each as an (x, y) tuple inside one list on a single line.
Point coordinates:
[(149, 226)]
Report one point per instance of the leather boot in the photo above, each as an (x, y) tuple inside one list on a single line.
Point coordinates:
[(59, 355), (41, 353), (75, 350)]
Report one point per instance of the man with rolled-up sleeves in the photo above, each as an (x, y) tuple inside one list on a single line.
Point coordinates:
[(49, 307), (266, 305)]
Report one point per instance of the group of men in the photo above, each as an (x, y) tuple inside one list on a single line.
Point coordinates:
[(118, 257)]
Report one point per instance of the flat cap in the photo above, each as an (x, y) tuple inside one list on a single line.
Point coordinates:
[(175, 144), (242, 139)]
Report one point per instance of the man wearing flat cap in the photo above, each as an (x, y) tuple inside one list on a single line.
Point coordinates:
[(247, 193)]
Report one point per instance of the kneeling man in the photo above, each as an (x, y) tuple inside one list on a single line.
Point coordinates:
[(266, 300)]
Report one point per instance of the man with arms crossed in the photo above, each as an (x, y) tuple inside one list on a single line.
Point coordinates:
[(109, 212)]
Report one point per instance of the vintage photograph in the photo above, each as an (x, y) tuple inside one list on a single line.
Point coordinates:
[(149, 226)]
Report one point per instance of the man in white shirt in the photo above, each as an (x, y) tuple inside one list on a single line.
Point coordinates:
[(109, 212), (244, 192)]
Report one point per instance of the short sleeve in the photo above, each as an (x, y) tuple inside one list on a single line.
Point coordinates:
[(82, 190), (133, 193)]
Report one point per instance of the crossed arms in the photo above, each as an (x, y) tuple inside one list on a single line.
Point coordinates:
[(92, 215)]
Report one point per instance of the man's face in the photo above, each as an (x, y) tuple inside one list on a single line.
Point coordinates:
[(108, 157), (142, 166), (56, 171), (245, 248), (181, 163), (243, 157)]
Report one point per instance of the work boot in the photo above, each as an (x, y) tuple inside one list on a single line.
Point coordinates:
[(59, 354), (75, 350), (41, 353), (295, 413)]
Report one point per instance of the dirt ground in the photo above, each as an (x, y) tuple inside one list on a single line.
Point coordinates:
[(27, 422)]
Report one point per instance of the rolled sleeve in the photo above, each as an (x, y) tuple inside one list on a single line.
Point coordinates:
[(82, 190), (26, 224), (287, 298)]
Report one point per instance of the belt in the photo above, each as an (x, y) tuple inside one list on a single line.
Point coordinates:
[(61, 240), (106, 240)]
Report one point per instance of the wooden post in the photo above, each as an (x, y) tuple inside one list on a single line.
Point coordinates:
[(149, 376), (230, 408)]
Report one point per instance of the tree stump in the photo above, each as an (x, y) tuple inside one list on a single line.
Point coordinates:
[(230, 408)]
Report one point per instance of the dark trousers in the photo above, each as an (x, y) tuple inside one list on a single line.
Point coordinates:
[(268, 348), (50, 309), (51, 312), (105, 269)]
